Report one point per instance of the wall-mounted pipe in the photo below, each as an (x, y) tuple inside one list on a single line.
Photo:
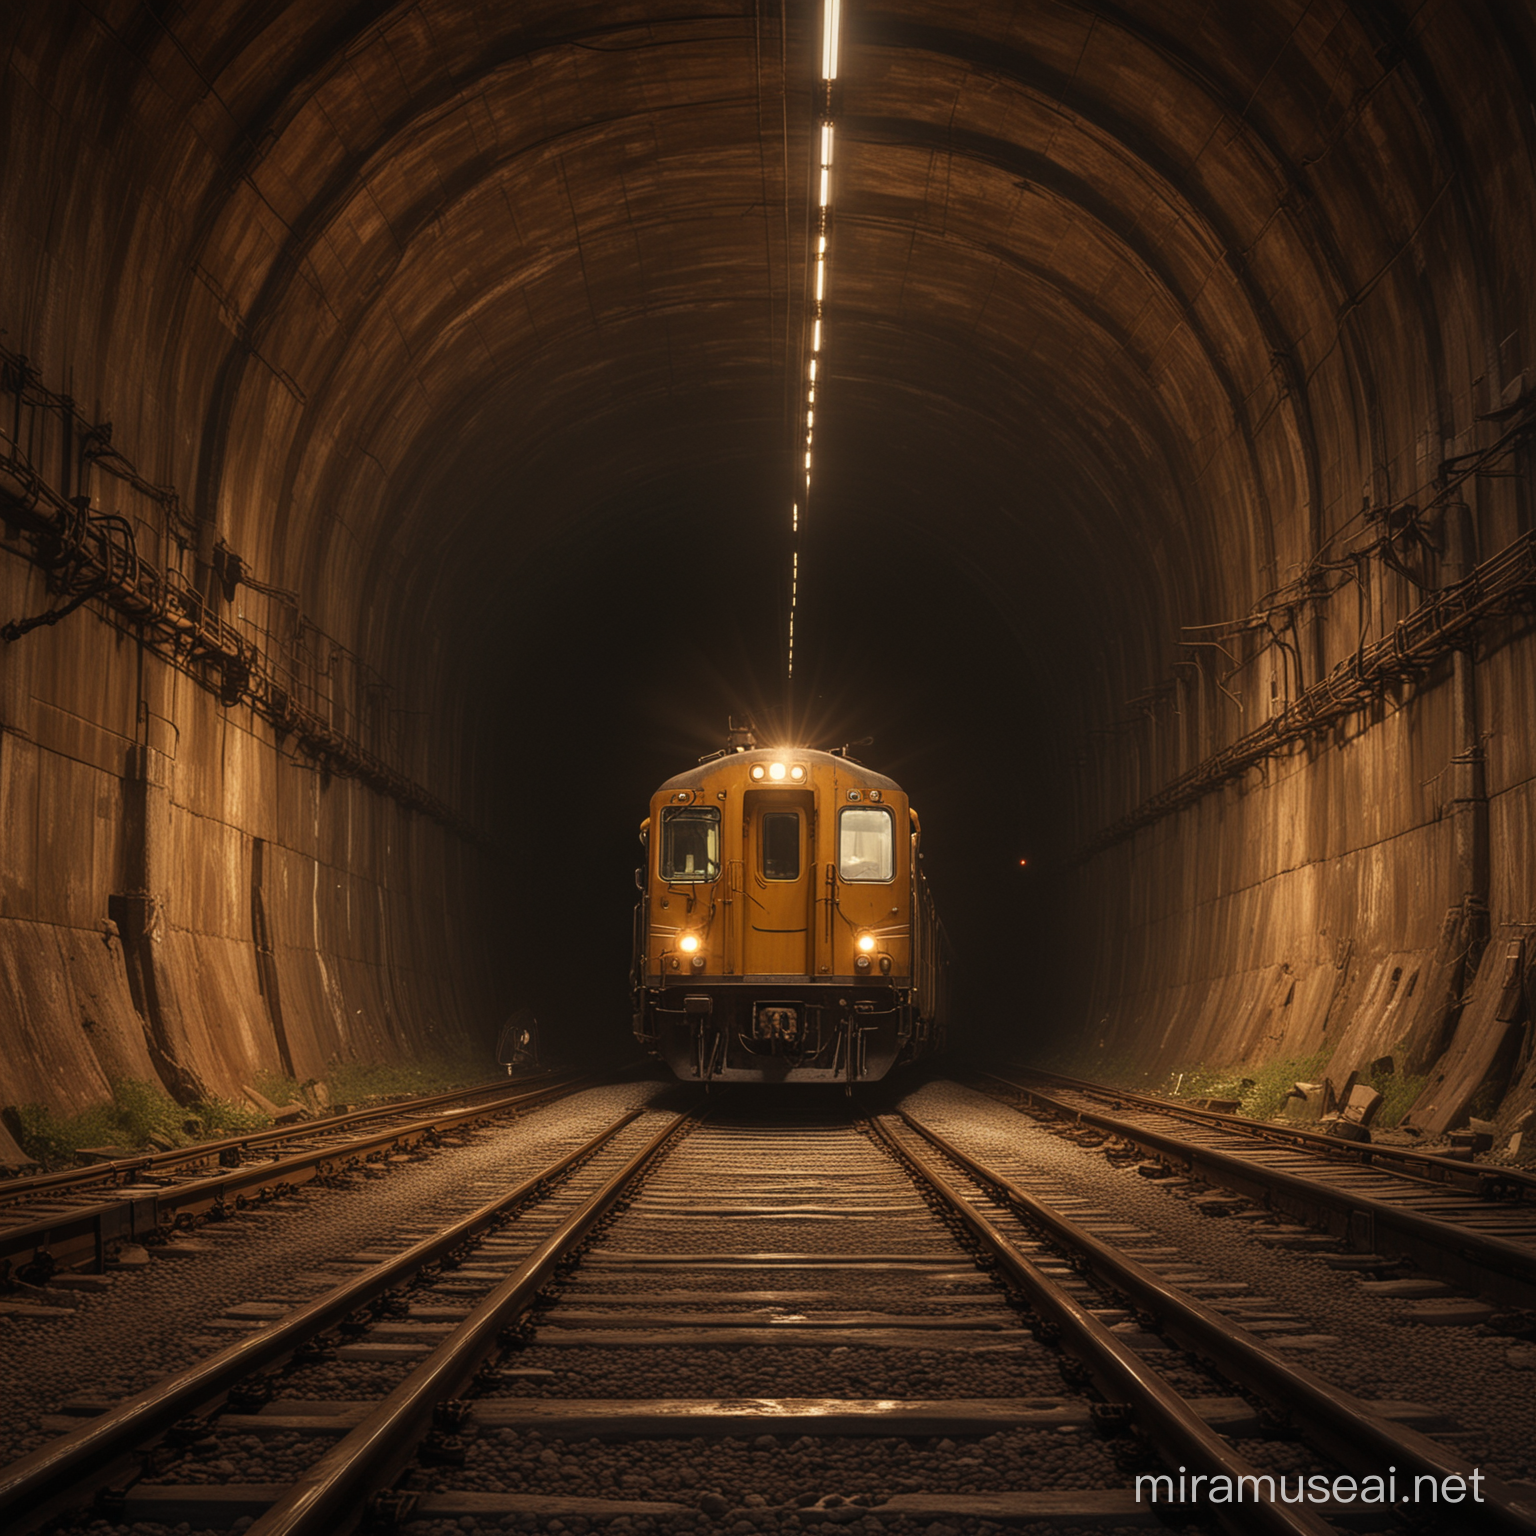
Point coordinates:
[(1445, 623)]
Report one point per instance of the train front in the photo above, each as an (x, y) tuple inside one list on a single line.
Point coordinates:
[(774, 937)]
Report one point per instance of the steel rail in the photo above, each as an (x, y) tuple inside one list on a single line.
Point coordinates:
[(1161, 1412), (1335, 1421), (155, 1163), (330, 1496), (50, 1467), (1477, 1179), (135, 1216), (1511, 1267)]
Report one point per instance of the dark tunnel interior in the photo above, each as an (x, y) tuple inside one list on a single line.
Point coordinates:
[(1168, 536), (632, 665)]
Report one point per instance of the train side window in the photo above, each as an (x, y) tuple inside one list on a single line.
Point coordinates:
[(690, 843), (866, 844), (781, 845)]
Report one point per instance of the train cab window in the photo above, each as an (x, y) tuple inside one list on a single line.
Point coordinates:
[(690, 843), (781, 845), (866, 844)]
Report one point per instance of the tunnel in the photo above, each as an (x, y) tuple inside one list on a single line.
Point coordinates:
[(425, 426)]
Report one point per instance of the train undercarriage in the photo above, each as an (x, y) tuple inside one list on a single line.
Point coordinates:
[(752, 1033)]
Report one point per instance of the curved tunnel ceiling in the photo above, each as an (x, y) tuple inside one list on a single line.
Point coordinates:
[(430, 287)]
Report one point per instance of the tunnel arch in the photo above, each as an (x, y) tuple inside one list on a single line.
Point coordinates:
[(1139, 315)]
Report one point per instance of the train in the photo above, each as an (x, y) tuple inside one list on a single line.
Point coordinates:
[(785, 932)]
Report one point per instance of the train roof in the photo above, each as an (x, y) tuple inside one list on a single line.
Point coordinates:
[(854, 773)]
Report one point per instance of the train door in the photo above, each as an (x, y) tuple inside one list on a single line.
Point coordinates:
[(777, 938)]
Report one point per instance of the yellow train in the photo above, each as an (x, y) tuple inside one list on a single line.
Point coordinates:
[(785, 932)]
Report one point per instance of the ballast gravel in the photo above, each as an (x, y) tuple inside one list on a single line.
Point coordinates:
[(157, 1320), (783, 1469), (767, 1483), (1380, 1352)]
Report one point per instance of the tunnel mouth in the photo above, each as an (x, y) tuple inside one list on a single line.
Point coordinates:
[(422, 432)]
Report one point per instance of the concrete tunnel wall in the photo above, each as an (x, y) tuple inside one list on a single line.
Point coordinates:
[(1139, 310), (1360, 892)]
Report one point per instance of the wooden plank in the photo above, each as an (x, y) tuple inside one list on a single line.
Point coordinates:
[(659, 1418), (776, 1338), (575, 1292), (572, 1317), (928, 1271), (1110, 1507), (690, 1209), (218, 1503), (382, 1351), (604, 1257), (223, 1503)]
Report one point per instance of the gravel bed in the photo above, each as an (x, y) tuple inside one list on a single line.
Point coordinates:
[(150, 1322), (737, 1485), (782, 1469), (245, 1459), (346, 1381), (1465, 1372)]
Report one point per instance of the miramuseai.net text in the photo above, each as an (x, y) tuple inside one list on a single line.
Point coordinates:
[(1319, 1488)]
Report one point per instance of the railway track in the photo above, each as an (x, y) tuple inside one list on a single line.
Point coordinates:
[(767, 1318), (84, 1218), (1473, 1227)]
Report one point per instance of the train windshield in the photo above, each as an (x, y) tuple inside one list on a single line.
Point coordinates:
[(690, 843), (866, 844), (781, 845)]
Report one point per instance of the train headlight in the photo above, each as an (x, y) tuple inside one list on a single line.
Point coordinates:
[(866, 942), (697, 962), (758, 770), (688, 943), (776, 770), (861, 963), (797, 773)]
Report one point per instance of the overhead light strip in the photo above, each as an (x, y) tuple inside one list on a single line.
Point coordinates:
[(831, 24)]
